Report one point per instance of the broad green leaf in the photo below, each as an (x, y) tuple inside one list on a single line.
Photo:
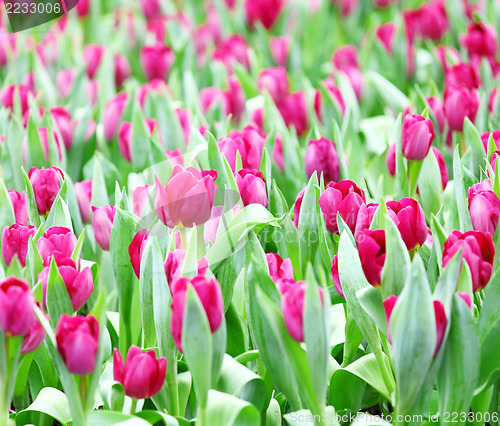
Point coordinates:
[(49, 401), (460, 193), (224, 409)]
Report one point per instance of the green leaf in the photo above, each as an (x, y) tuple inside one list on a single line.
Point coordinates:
[(110, 418), (7, 217), (34, 218), (308, 224), (306, 418), (49, 401), (370, 298), (475, 153), (429, 185), (146, 295), (389, 93), (140, 140), (460, 193), (224, 409)]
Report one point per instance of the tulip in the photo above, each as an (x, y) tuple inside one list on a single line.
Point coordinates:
[(293, 109), (210, 295), (371, 247), (460, 102), (83, 192), (466, 298), (78, 283), (175, 157), (43, 134), (174, 265), (236, 98), (15, 242), (322, 157), (462, 75), (335, 94), (92, 57), (265, 12), (20, 206), (346, 6), (437, 109), (277, 156), (484, 207), (150, 8), (493, 102), (345, 59), (62, 119), (274, 81), (112, 115), (280, 48), (439, 315), (17, 304), (335, 276), (443, 170), (8, 93), (385, 34), (122, 69), (390, 159), (493, 161), (142, 375), (102, 222), (46, 185), (251, 186), (344, 197), (292, 306), (140, 199), (480, 40), (187, 199), (136, 248), (56, 239), (279, 268), (248, 142), (125, 136), (416, 137), (410, 220), (35, 336), (233, 48), (184, 117), (64, 82), (212, 97), (155, 86), (156, 61), (485, 137), (477, 250), (296, 207), (433, 22), (82, 8), (77, 341), (211, 227)]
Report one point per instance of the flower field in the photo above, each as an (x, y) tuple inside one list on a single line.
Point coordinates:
[(250, 212)]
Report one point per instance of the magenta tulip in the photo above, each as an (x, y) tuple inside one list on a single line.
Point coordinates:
[(92, 57), (296, 207), (46, 185), (371, 247), (385, 34), (293, 109), (35, 335), (460, 102), (77, 341), (275, 82), (322, 157), (278, 267), (83, 192), (122, 70), (112, 115), (102, 222), (150, 8), (15, 242), (248, 142), (174, 265), (416, 137), (437, 109), (140, 199), (462, 75), (142, 375), (251, 186), (410, 220), (485, 137), (136, 248), (280, 48), (20, 206), (64, 124), (266, 12), (335, 275), (56, 239), (156, 61), (484, 207), (480, 40), (17, 304), (9, 93)]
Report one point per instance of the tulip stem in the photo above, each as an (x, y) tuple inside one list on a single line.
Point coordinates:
[(183, 238), (133, 406)]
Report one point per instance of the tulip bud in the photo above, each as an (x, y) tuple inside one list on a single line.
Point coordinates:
[(156, 61), (112, 115), (136, 248), (17, 305), (280, 48), (211, 97), (321, 156), (251, 186), (62, 119), (78, 283), (184, 117), (142, 375), (345, 59), (77, 341), (92, 57), (279, 268), (416, 137), (390, 159), (35, 336), (102, 222), (278, 157), (46, 185), (433, 22), (233, 48), (122, 69), (83, 192), (56, 239), (485, 137), (15, 242), (371, 247), (443, 170), (437, 109), (125, 136), (296, 207), (335, 275), (480, 40), (174, 265), (210, 295), (8, 93), (19, 206), (82, 8), (389, 304), (140, 199), (274, 81), (410, 220), (264, 11), (484, 207), (292, 306), (466, 298), (150, 8), (460, 102), (236, 99), (385, 34), (477, 250), (344, 197), (248, 142), (187, 199), (293, 109), (462, 75)]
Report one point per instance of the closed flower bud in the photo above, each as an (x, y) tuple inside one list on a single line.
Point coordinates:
[(477, 250), (46, 185), (275, 82), (210, 295), (174, 265), (56, 239), (140, 199), (136, 248), (34, 337), (112, 115), (9, 93), (480, 40), (335, 275), (251, 186), (293, 109), (125, 136), (77, 341), (443, 170), (296, 207), (321, 156), (248, 142), (385, 34), (233, 48), (64, 124), (83, 192), (371, 247), (266, 12), (462, 75), (102, 222), (460, 102), (279, 268), (15, 242), (437, 109), (157, 61), (142, 375), (416, 137), (280, 48), (20, 206), (92, 57), (485, 137), (390, 160), (17, 305), (410, 220), (122, 69), (484, 207)]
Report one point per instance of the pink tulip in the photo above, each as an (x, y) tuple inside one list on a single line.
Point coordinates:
[(136, 248), (485, 136), (17, 304), (150, 8), (464, 75), (212, 97), (335, 276), (20, 206), (278, 157), (460, 102), (248, 142), (385, 34), (251, 186), (443, 170), (102, 222), (46, 185), (279, 268), (8, 93), (437, 108), (187, 199), (184, 117), (345, 59), (410, 220), (142, 375), (235, 98), (274, 81), (174, 264), (321, 157), (210, 295), (140, 198), (371, 247), (112, 115), (296, 207), (35, 336), (293, 109), (92, 57), (390, 160), (416, 137), (122, 69), (484, 207), (56, 240), (64, 124), (211, 227), (335, 94), (233, 48), (266, 12), (125, 136), (77, 342), (156, 61), (83, 192), (480, 40), (82, 8), (280, 48)]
